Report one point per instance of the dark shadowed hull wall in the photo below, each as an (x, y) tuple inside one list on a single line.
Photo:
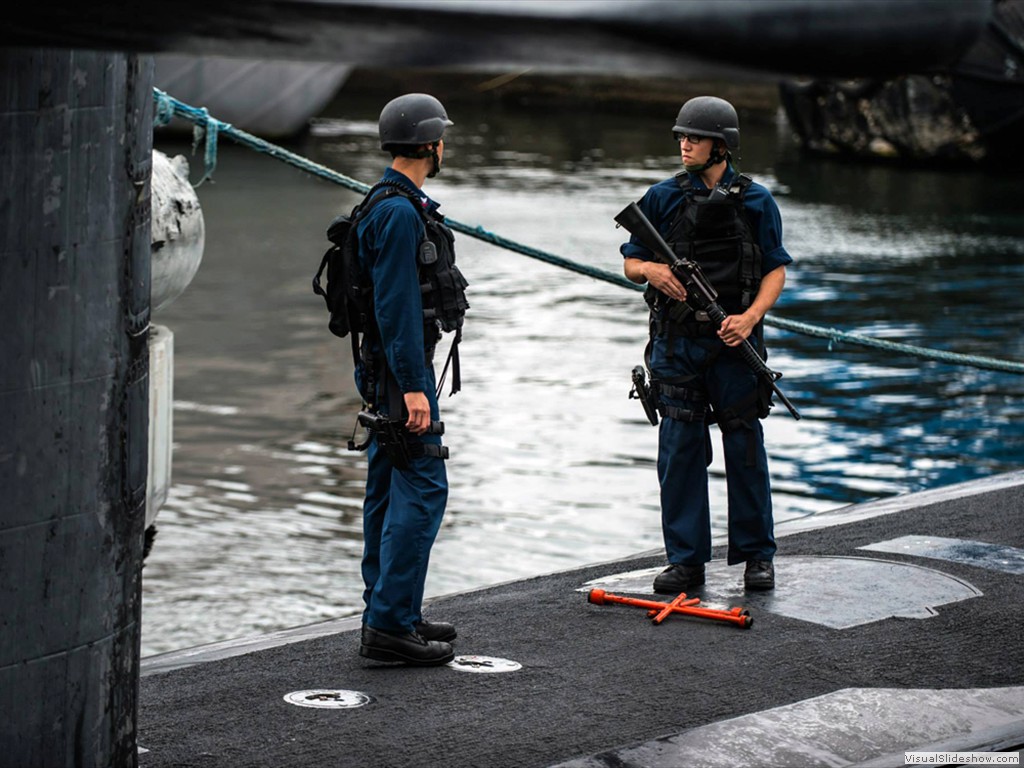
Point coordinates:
[(75, 162)]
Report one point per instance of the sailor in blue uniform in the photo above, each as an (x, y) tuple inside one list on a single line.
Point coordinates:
[(731, 226), (417, 293)]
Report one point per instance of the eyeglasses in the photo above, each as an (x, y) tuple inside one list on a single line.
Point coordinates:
[(688, 137)]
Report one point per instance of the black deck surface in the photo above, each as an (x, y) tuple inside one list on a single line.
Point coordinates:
[(594, 678)]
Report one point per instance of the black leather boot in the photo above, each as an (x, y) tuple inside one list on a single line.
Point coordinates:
[(679, 578), (407, 648), (436, 630), (760, 574)]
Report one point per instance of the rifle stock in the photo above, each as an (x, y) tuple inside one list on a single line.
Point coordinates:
[(700, 294)]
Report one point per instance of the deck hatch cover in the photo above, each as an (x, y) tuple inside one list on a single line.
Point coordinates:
[(328, 699)]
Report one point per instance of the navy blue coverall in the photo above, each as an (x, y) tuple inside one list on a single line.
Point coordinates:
[(403, 507), (683, 447)]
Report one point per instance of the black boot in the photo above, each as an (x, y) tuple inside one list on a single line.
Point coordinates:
[(679, 578), (436, 630), (760, 574), (407, 648)]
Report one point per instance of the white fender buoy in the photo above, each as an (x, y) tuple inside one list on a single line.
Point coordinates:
[(179, 233), (176, 250)]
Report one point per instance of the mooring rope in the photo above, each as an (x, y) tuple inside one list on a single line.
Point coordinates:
[(209, 128)]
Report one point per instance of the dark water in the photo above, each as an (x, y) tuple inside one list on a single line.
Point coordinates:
[(551, 465)]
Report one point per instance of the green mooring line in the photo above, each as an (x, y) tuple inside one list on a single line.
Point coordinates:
[(208, 129)]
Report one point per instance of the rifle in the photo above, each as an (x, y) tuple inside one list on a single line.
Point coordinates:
[(701, 296)]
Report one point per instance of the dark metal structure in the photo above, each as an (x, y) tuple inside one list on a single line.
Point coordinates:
[(814, 38), (75, 159)]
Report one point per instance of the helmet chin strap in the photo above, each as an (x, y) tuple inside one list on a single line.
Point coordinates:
[(431, 153), (717, 156)]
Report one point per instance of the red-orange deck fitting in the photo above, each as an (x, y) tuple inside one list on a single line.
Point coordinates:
[(658, 611)]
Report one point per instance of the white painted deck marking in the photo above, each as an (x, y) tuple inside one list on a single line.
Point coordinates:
[(994, 557), (483, 664), (837, 592), (818, 731)]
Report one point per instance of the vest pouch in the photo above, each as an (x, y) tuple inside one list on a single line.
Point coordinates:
[(679, 312), (712, 220), (721, 262), (750, 266), (451, 289), (441, 283)]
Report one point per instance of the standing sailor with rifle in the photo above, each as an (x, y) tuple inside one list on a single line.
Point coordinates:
[(700, 354)]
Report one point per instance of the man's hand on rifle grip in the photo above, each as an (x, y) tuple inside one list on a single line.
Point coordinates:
[(662, 278)]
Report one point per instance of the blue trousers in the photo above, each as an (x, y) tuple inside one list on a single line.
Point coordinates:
[(722, 379), (401, 517)]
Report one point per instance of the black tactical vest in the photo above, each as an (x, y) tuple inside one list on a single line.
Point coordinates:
[(442, 285), (712, 229), (443, 292)]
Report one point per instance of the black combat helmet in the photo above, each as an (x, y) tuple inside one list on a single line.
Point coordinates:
[(709, 116), (410, 121)]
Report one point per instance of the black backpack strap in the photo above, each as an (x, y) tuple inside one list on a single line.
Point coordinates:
[(740, 184), (372, 198), (396, 188), (453, 360), (317, 287)]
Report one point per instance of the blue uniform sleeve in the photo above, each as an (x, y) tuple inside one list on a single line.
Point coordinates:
[(767, 222), (390, 238)]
